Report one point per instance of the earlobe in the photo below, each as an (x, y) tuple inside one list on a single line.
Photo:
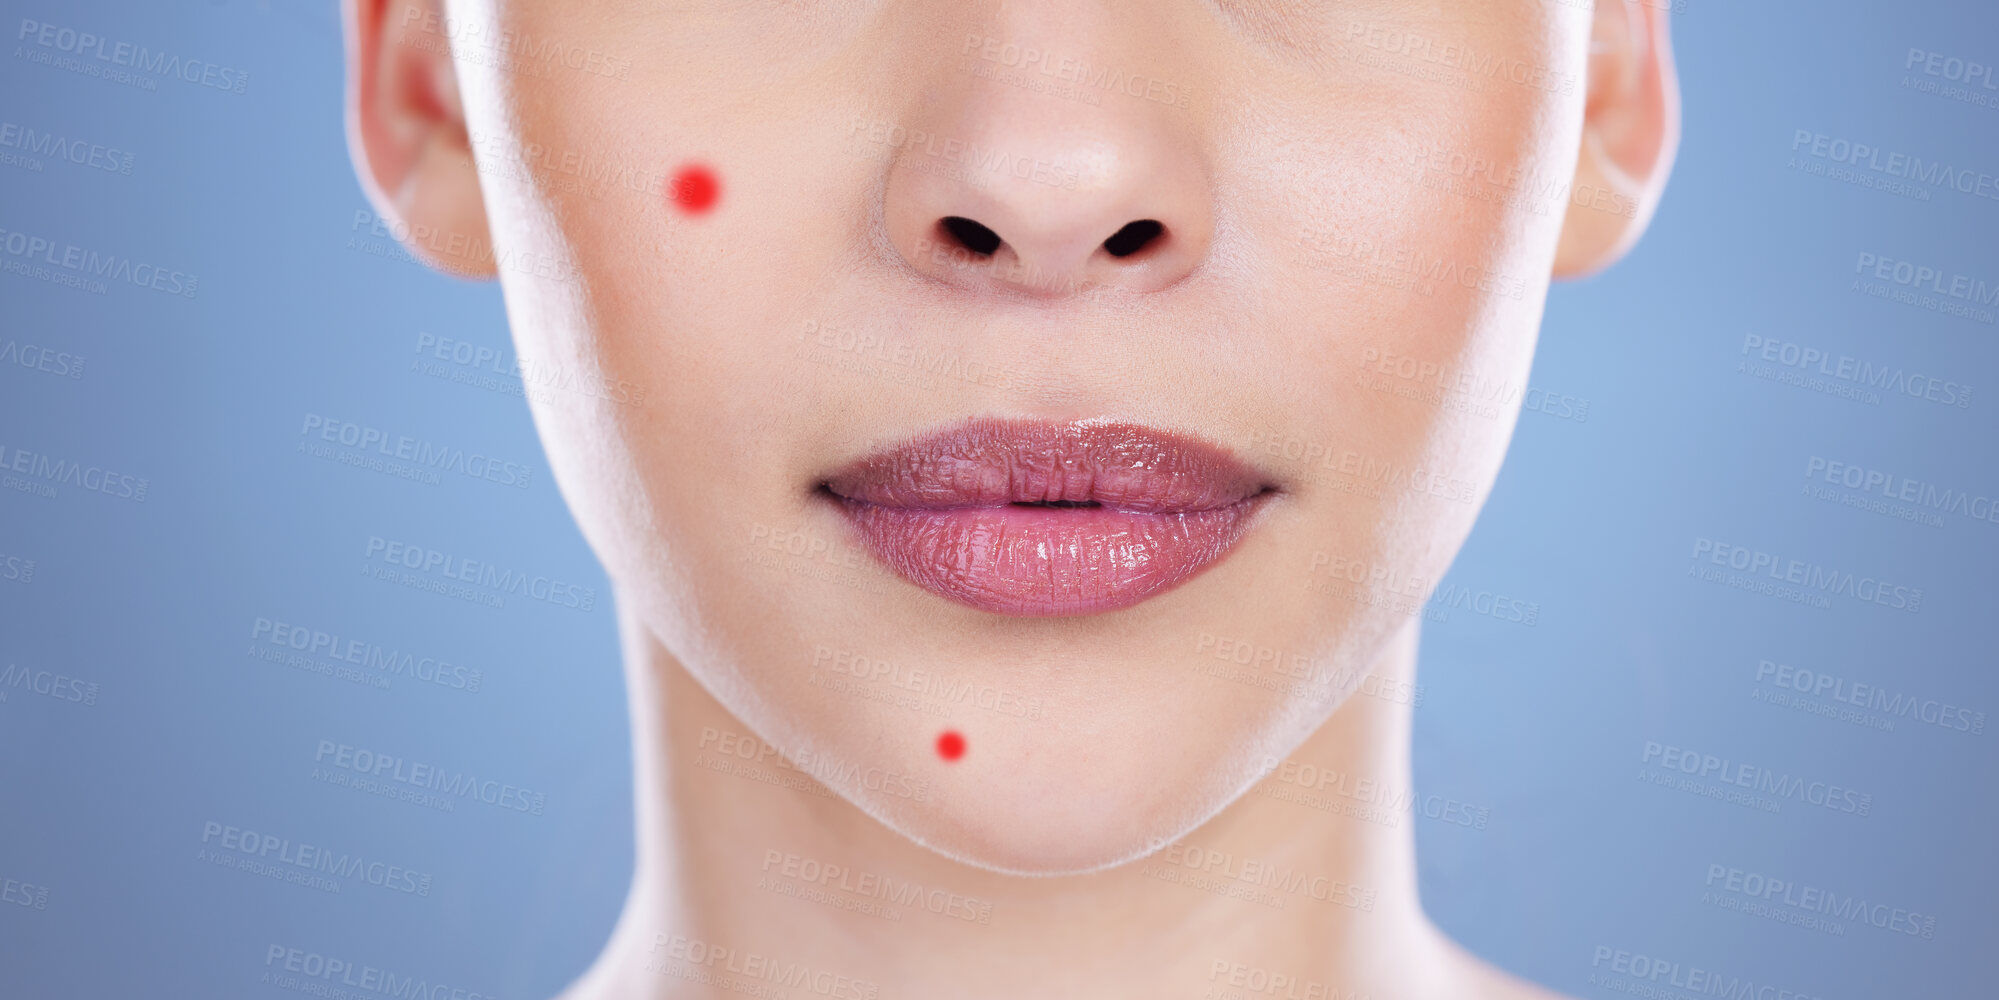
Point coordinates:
[(407, 136), (1631, 132)]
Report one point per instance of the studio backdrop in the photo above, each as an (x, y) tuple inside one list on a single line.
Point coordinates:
[(1746, 527)]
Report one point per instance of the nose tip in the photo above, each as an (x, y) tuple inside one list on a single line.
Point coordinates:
[(1004, 191), (1039, 261), (1131, 239)]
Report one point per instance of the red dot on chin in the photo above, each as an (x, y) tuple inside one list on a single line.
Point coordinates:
[(694, 189), (950, 745)]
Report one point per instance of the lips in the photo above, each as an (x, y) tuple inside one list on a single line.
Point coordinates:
[(1038, 519)]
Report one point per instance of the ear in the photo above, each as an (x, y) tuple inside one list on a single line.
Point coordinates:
[(406, 133), (1631, 131)]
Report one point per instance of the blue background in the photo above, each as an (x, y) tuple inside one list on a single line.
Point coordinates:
[(298, 312)]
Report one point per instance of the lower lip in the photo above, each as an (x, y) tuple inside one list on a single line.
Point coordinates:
[(1048, 561)]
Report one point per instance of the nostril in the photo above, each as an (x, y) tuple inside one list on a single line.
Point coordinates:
[(970, 235), (1133, 237)]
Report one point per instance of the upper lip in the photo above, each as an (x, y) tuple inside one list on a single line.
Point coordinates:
[(992, 462)]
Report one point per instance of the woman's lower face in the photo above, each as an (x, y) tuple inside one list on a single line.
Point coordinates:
[(1030, 417)]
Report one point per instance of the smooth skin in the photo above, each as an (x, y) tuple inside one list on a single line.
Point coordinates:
[(1363, 203)]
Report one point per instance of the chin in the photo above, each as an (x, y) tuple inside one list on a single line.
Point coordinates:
[(1142, 757), (1047, 822)]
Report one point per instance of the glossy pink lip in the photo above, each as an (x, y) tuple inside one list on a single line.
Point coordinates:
[(1027, 518)]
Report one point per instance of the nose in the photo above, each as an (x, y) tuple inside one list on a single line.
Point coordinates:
[(1013, 178)]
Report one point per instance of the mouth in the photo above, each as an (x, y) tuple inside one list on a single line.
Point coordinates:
[(1035, 519)]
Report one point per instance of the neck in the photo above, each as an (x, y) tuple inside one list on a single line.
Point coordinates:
[(748, 870)]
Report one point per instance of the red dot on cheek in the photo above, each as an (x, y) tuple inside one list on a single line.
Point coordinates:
[(950, 745), (694, 189)]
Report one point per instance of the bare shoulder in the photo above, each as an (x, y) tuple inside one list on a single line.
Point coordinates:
[(1479, 979), (1503, 985)]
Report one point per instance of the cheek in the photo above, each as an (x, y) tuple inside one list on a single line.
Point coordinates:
[(1412, 234)]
